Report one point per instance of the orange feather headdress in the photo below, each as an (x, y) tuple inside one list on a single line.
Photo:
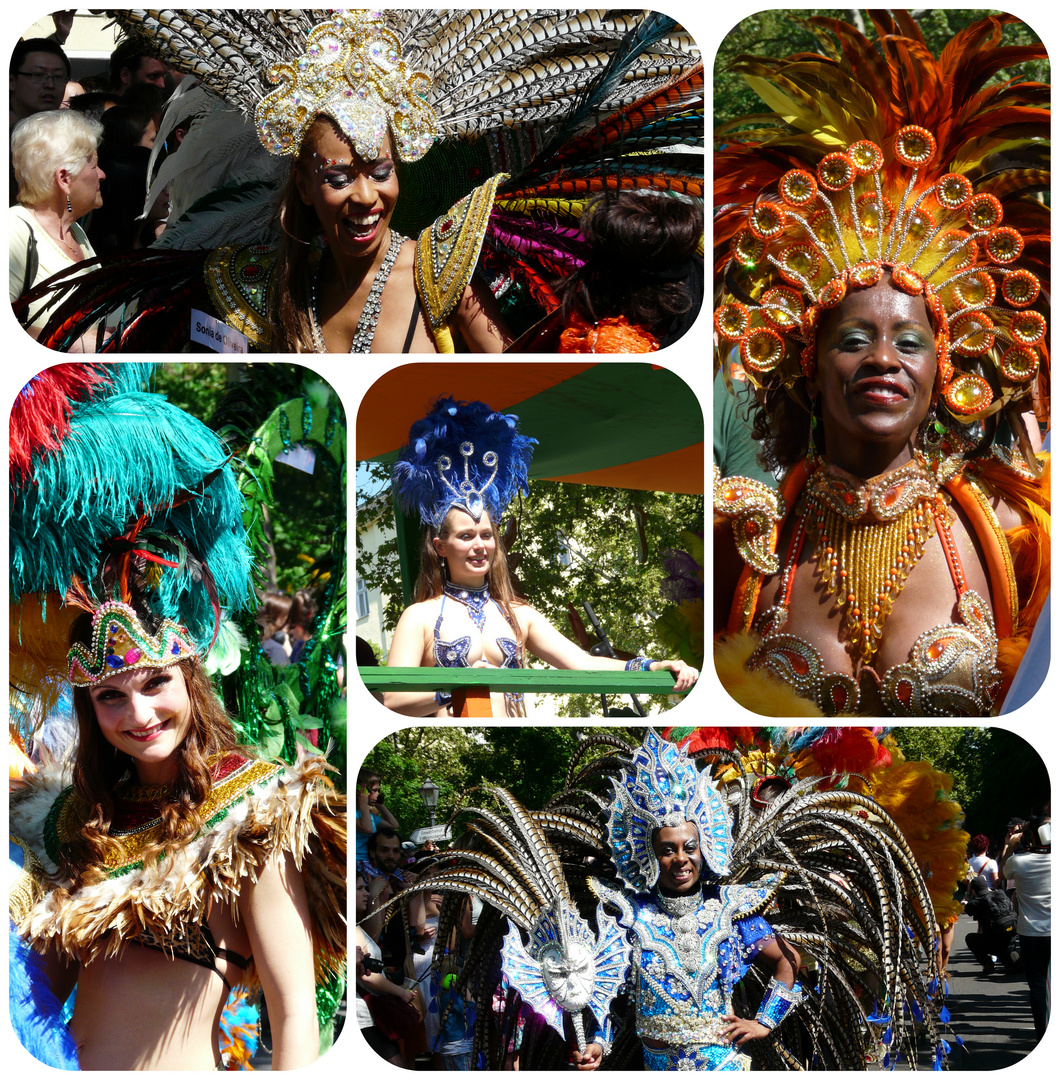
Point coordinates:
[(879, 158)]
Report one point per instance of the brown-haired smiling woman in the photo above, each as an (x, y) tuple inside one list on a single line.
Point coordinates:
[(894, 346), (182, 866)]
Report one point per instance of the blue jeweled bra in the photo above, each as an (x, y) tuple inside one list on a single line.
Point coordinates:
[(455, 653)]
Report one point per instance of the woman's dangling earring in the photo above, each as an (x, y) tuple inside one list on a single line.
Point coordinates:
[(69, 205), (445, 567), (815, 425)]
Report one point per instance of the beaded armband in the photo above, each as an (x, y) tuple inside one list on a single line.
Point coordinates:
[(755, 510), (777, 1003)]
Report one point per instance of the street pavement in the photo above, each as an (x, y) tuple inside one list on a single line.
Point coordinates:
[(990, 1013)]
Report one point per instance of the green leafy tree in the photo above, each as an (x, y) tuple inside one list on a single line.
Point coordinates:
[(530, 762), (235, 399), (783, 32), (997, 775), (573, 544)]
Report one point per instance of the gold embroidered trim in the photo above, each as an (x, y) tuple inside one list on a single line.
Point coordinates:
[(446, 253), (29, 884), (755, 510), (239, 281)]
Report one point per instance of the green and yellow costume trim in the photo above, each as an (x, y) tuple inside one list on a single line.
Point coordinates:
[(256, 812)]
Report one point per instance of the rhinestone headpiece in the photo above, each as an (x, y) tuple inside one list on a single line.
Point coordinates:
[(820, 234), (120, 643), (462, 454), (353, 72), (664, 789)]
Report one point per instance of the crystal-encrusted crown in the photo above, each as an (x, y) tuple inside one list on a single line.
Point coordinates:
[(353, 72)]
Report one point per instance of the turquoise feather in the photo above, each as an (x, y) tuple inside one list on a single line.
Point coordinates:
[(129, 455)]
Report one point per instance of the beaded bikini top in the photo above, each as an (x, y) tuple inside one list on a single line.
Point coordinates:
[(455, 653), (951, 669)]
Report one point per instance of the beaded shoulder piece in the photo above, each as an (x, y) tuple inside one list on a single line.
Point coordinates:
[(239, 281), (137, 820), (448, 250), (755, 510)]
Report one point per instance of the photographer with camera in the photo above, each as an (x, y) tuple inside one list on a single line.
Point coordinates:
[(373, 987), (1026, 863)]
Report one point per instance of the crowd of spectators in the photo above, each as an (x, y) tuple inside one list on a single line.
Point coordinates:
[(128, 99), (410, 1014), (1010, 898)]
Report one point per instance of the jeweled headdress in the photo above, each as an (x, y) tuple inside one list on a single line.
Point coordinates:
[(120, 643), (464, 455), (353, 72), (862, 170), (664, 790)]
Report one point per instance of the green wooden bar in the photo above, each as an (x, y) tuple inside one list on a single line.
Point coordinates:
[(519, 680)]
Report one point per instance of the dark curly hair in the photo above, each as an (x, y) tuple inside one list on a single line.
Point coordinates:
[(642, 263)]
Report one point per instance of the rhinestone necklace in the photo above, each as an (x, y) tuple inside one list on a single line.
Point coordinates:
[(364, 335), (474, 599)]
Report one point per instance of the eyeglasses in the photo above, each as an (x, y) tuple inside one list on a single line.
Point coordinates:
[(38, 78)]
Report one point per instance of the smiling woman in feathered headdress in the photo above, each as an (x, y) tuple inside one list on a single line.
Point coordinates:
[(462, 466), (880, 248)]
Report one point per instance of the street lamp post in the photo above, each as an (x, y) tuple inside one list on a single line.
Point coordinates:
[(429, 793)]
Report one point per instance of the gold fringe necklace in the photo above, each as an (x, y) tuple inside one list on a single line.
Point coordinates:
[(870, 535)]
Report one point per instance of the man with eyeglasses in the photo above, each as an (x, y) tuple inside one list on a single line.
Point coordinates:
[(39, 73)]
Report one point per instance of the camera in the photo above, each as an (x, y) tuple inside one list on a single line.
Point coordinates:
[(369, 963)]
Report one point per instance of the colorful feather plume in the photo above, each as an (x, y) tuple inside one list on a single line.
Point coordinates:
[(852, 899), (883, 124), (139, 501)]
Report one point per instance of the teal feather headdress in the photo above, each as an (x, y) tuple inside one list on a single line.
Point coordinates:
[(134, 500)]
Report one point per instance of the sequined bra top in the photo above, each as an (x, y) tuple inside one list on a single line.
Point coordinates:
[(455, 653), (951, 670)]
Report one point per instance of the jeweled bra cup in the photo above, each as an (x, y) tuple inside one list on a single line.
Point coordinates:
[(951, 670)]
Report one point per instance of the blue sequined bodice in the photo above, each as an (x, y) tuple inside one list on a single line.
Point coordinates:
[(689, 953), (455, 653)]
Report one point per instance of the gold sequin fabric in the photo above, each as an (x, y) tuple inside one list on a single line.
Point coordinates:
[(238, 280), (449, 249)]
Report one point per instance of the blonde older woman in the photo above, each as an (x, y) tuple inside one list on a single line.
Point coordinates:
[(54, 158)]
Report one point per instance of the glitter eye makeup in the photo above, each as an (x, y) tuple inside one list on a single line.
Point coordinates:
[(338, 174)]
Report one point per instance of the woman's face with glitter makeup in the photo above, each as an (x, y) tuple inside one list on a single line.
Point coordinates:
[(876, 362), (354, 199)]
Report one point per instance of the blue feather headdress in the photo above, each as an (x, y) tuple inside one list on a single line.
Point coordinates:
[(464, 455)]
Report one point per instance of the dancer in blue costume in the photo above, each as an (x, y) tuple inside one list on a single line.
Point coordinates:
[(693, 937), (461, 468)]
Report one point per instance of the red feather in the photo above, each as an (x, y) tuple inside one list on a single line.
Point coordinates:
[(40, 416)]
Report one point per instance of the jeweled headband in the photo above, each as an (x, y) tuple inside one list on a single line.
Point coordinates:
[(120, 644), (353, 72), (664, 789), (872, 157), (818, 236)]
